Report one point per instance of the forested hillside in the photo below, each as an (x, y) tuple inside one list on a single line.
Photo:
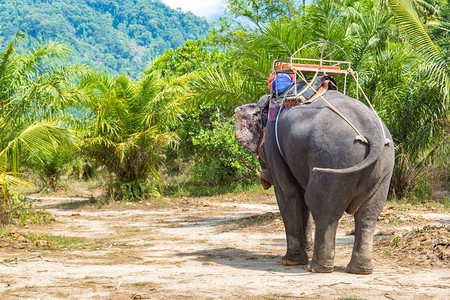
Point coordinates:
[(114, 36)]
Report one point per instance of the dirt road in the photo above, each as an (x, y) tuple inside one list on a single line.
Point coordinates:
[(207, 249)]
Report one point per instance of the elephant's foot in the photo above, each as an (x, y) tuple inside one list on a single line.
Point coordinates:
[(360, 267), (294, 259), (319, 268)]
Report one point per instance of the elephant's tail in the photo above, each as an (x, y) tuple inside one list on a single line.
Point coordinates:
[(376, 148)]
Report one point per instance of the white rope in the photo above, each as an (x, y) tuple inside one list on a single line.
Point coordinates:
[(359, 136), (358, 86), (276, 131), (308, 84)]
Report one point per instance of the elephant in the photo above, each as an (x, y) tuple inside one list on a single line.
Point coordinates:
[(321, 167)]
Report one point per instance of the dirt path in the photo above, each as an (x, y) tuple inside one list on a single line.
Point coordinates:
[(201, 250)]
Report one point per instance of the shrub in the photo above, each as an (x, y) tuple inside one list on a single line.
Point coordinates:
[(219, 160)]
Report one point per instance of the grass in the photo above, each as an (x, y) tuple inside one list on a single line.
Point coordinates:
[(184, 185), (32, 240), (51, 241), (140, 284), (396, 221), (396, 240), (179, 187), (446, 202), (406, 203), (63, 241), (5, 231), (145, 285), (254, 194)]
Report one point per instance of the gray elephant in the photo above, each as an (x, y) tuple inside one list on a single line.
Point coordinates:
[(319, 166)]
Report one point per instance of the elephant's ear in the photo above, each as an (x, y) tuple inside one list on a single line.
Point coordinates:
[(248, 126)]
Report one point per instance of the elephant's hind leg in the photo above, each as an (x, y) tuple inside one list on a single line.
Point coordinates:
[(327, 196), (365, 222), (324, 243), (295, 216)]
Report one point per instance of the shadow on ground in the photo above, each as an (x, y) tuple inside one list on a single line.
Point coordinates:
[(244, 259)]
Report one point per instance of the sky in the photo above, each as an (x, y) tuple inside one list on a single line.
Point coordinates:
[(203, 8)]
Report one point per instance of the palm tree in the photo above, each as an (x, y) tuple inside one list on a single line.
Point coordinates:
[(128, 126), (32, 91), (422, 119), (435, 58)]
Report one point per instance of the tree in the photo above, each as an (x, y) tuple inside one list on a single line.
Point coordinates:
[(128, 126), (32, 92), (262, 12), (436, 61), (421, 120), (193, 56), (207, 151), (113, 36)]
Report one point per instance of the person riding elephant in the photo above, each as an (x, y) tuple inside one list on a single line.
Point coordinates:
[(326, 156)]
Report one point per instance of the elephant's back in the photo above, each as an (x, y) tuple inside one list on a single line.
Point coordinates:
[(345, 115), (352, 109), (320, 133)]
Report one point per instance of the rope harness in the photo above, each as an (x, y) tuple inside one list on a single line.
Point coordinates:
[(299, 99)]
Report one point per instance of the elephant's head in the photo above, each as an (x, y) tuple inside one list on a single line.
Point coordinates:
[(248, 126)]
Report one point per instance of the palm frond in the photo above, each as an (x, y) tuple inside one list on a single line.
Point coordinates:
[(39, 137), (43, 52), (14, 183), (137, 140), (166, 106), (282, 38), (437, 65), (8, 53), (223, 89), (327, 22), (129, 123)]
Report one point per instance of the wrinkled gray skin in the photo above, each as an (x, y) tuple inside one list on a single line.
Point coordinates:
[(324, 170)]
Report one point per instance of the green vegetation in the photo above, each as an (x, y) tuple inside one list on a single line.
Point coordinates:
[(127, 127), (172, 131), (32, 95), (396, 240), (446, 202), (46, 241), (117, 36), (5, 232), (62, 242), (351, 298), (401, 55)]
